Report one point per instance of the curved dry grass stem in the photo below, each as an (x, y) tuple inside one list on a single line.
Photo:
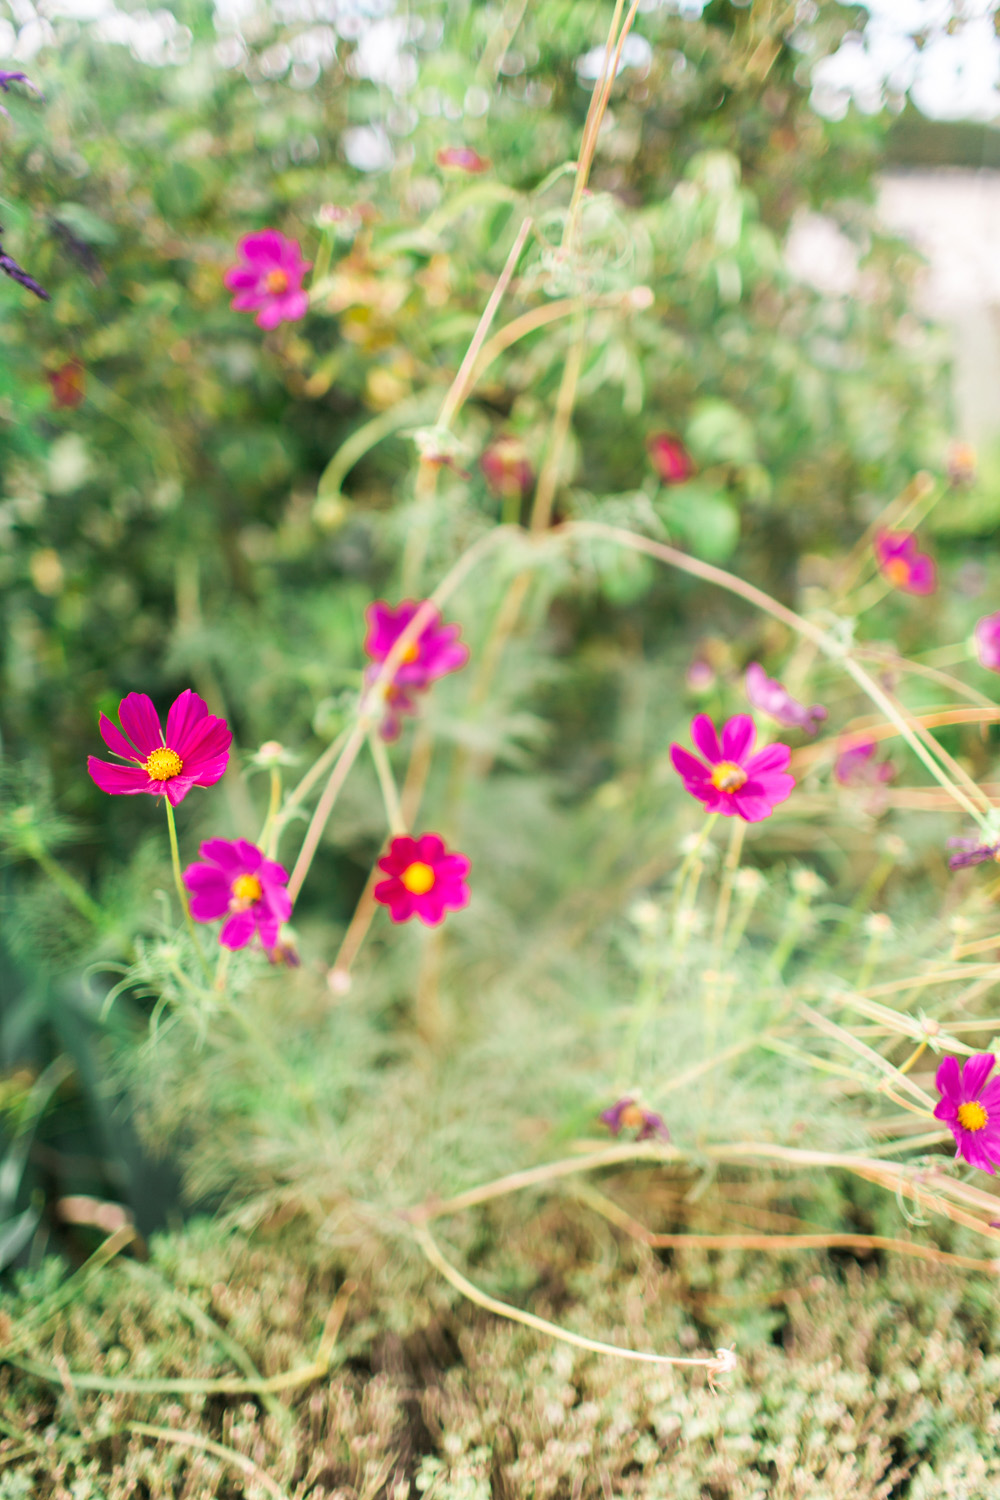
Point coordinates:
[(185, 1439), (541, 1325)]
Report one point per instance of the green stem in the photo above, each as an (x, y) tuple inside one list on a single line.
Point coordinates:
[(175, 855), (270, 831), (70, 887), (387, 783)]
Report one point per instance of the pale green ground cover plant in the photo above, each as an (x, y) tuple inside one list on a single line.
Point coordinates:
[(783, 1036)]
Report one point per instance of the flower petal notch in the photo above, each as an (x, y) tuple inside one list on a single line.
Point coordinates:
[(235, 880), (629, 1114), (268, 279), (970, 1107), (424, 880), (767, 694), (194, 751), (735, 781), (902, 564)]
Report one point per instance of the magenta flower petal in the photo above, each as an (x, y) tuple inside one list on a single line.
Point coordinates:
[(235, 877), (738, 737), (975, 1072), (970, 1110), (768, 695), (117, 780), (239, 930), (948, 1079), (771, 758), (705, 738), (115, 740), (140, 722), (185, 713), (268, 278), (686, 765), (988, 642), (902, 564), (923, 576)]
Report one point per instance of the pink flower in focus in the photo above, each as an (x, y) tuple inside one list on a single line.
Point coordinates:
[(970, 1107), (767, 694), (669, 458), (902, 565), (736, 782), (193, 752), (424, 881), (235, 880), (462, 158), (268, 279), (507, 468), (856, 764), (988, 642), (629, 1114)]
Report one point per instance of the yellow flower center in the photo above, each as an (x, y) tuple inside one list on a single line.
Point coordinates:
[(246, 890), (163, 764), (897, 571), (728, 776), (418, 878), (411, 653), (631, 1117), (972, 1115), (276, 281)]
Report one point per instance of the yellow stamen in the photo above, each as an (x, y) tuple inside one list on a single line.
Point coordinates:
[(412, 652), (728, 776), (631, 1117), (897, 571), (246, 890), (418, 878), (276, 281), (162, 764), (972, 1115)]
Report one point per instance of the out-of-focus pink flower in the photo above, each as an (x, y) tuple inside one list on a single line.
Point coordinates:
[(268, 279), (962, 464), (700, 676), (767, 694), (629, 1114), (669, 457), (67, 384), (237, 881), (988, 642), (736, 782), (436, 650), (397, 702), (902, 565), (970, 1107), (856, 764), (424, 880), (193, 752), (507, 468), (462, 159), (973, 852)]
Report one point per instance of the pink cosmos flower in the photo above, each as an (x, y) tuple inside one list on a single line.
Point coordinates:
[(902, 565), (988, 642), (507, 468), (424, 880), (268, 280), (767, 694), (193, 752), (435, 652), (629, 1114), (970, 1107), (736, 782), (669, 458), (236, 880), (856, 764), (463, 158)]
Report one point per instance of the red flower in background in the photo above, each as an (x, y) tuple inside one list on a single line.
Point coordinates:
[(669, 457), (67, 383), (424, 880)]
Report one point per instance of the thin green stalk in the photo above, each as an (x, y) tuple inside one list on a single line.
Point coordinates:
[(68, 884), (387, 784), (175, 855), (270, 831)]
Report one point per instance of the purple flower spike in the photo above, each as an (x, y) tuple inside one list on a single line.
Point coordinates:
[(972, 853), (970, 1107), (629, 1114), (768, 695)]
